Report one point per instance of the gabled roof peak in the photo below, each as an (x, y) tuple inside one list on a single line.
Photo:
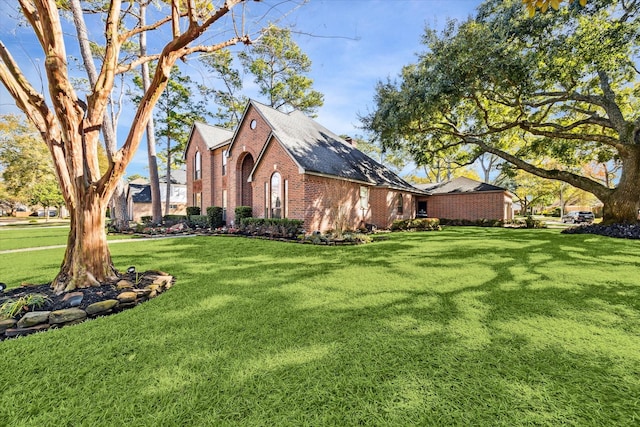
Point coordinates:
[(213, 136), (317, 150)]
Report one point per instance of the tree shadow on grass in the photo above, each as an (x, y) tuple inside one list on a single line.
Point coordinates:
[(452, 329)]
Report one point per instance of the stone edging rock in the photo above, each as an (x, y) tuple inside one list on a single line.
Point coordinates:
[(128, 297)]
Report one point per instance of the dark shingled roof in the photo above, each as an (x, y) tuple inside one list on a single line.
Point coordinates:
[(459, 185), (140, 193), (318, 150)]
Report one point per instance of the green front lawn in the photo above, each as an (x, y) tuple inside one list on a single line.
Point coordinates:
[(468, 326)]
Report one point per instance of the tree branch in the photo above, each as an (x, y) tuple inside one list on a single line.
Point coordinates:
[(578, 181), (33, 104), (562, 132), (173, 50), (134, 64), (610, 105), (135, 31)]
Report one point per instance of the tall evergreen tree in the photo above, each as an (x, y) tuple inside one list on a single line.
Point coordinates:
[(279, 67)]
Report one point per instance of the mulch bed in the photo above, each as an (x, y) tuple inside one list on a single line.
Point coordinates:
[(621, 231), (91, 294)]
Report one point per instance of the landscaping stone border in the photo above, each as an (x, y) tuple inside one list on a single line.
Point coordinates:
[(126, 294)]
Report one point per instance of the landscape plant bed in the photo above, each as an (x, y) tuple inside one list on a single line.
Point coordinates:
[(327, 239), (621, 231), (35, 308)]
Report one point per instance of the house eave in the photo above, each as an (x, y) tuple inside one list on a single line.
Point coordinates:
[(341, 178)]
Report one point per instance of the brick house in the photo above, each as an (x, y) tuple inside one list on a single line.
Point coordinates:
[(286, 165), (139, 197), (465, 198)]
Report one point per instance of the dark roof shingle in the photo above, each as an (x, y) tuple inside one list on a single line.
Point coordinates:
[(459, 185), (318, 150)]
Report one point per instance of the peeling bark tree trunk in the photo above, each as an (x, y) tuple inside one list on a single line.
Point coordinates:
[(87, 260), (71, 127)]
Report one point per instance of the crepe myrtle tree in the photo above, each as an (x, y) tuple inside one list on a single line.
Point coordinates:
[(70, 126), (559, 85)]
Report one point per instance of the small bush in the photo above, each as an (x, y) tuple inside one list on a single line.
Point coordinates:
[(243, 212), (272, 227), (193, 210), (473, 222), (200, 221), (146, 220), (11, 308), (418, 224), (533, 223), (357, 238), (170, 220), (215, 216)]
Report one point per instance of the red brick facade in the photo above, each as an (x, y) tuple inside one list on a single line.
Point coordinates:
[(471, 206), (261, 173)]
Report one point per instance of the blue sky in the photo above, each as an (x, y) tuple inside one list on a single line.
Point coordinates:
[(352, 45)]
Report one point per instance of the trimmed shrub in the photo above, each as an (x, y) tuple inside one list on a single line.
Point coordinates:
[(170, 220), (272, 227), (200, 221), (533, 223), (146, 219), (214, 213), (418, 224), (399, 225), (193, 210), (473, 223), (243, 212)]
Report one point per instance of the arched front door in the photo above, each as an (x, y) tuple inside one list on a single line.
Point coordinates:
[(246, 193)]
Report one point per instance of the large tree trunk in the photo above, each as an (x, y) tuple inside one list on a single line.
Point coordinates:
[(71, 127), (87, 260), (623, 204)]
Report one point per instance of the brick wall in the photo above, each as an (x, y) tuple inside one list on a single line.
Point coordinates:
[(384, 206), (275, 159), (205, 184), (249, 142), (471, 206), (218, 181), (332, 203)]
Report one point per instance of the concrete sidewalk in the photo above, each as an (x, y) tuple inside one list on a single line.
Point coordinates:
[(143, 239)]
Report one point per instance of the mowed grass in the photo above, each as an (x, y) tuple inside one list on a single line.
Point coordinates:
[(467, 326), (13, 237)]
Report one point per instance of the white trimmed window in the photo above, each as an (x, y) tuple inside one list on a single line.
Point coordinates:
[(197, 166), (224, 162), (224, 205), (276, 196), (286, 198)]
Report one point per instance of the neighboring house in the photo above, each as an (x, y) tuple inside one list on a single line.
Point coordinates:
[(139, 197), (465, 198), (286, 165)]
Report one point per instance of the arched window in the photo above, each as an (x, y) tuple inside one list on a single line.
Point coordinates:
[(276, 196), (197, 166), (400, 206)]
